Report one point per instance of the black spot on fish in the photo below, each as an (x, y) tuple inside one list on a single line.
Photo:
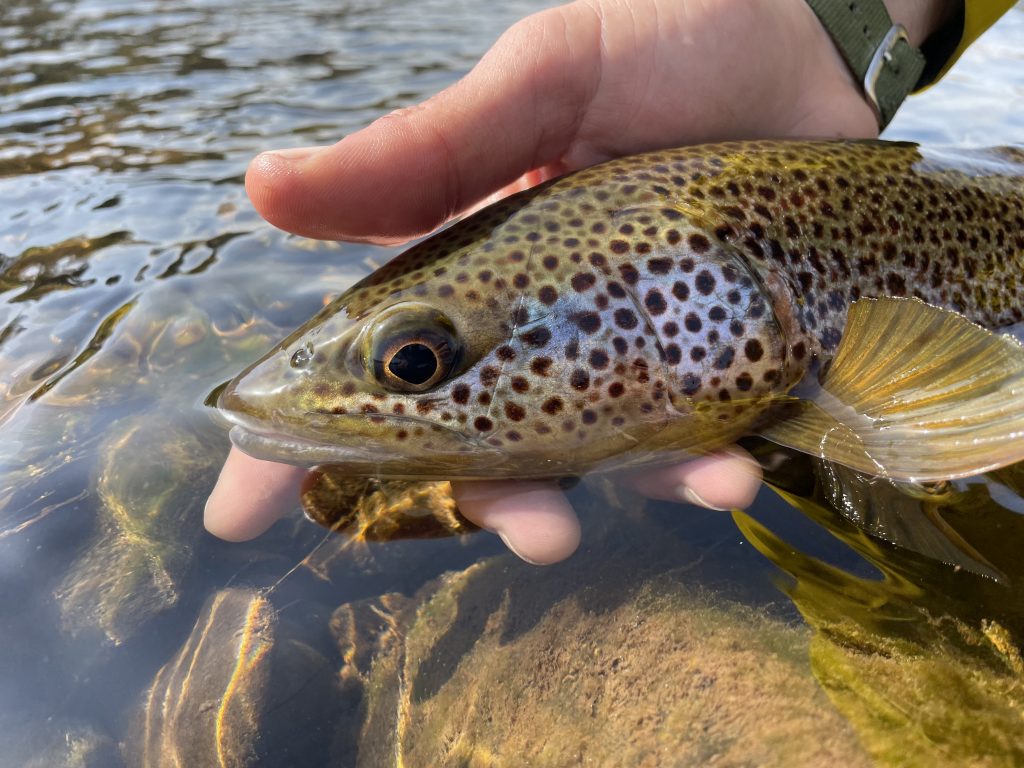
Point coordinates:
[(725, 358), (625, 318), (629, 274), (579, 379), (655, 302), (537, 337), (514, 411), (552, 405), (588, 322), (583, 281), (615, 290), (660, 266), (705, 282), (548, 295)]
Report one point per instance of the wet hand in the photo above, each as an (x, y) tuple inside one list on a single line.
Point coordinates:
[(534, 519), (563, 89)]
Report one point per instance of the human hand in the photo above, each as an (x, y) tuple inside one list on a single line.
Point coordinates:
[(560, 90)]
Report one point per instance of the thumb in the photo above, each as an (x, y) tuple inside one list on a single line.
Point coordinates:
[(412, 170)]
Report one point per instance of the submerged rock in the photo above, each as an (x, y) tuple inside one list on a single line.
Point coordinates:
[(30, 739), (150, 485), (507, 664), (244, 690), (77, 747), (921, 686)]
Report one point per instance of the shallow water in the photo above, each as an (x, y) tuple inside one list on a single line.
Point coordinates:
[(134, 277)]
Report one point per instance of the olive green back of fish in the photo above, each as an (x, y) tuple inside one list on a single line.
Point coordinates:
[(844, 220)]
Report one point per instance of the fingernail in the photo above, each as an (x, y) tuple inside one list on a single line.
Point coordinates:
[(689, 495), (294, 154), (515, 551)]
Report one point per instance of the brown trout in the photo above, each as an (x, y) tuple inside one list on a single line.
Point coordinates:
[(833, 296)]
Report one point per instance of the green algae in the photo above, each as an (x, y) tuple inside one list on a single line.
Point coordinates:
[(924, 661), (502, 664)]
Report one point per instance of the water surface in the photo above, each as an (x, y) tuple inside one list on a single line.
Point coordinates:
[(134, 277)]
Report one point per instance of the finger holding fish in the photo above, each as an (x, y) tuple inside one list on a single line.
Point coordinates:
[(535, 520)]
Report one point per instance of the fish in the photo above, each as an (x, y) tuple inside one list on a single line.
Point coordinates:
[(848, 299)]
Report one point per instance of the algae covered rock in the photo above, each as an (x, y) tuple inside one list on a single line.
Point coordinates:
[(607, 660), (245, 689), (31, 741), (150, 485), (78, 746), (921, 686)]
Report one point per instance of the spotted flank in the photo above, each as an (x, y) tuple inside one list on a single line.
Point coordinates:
[(661, 306)]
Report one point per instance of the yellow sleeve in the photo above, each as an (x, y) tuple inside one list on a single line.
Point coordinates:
[(946, 46)]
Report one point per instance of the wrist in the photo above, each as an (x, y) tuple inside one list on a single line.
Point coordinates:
[(880, 41), (921, 18)]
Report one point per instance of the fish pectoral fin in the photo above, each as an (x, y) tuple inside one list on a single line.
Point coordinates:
[(891, 511), (915, 393)]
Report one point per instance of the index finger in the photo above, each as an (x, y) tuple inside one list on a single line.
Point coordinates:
[(250, 496)]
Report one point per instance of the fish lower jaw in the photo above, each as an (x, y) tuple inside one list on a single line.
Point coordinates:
[(366, 460), (283, 448), (290, 449)]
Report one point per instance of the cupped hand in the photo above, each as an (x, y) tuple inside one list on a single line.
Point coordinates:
[(560, 90)]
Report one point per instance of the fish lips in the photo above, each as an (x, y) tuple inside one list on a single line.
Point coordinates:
[(453, 455)]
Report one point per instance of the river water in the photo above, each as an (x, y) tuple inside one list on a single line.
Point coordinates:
[(135, 276)]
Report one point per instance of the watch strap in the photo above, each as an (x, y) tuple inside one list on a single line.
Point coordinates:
[(877, 51)]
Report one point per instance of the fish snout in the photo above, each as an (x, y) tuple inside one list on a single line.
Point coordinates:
[(258, 394)]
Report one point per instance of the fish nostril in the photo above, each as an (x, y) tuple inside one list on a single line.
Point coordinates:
[(302, 356)]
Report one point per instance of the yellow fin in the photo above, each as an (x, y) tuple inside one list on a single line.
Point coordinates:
[(914, 393)]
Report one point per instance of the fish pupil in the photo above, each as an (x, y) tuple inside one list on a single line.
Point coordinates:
[(414, 363)]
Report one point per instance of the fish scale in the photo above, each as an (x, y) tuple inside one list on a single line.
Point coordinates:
[(650, 307)]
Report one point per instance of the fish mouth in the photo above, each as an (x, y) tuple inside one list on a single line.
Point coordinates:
[(454, 454), (286, 449)]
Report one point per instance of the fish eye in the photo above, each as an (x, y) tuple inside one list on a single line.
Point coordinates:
[(413, 350)]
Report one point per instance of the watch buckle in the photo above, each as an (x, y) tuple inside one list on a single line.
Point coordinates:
[(881, 57)]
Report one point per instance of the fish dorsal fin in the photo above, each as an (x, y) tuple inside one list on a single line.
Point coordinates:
[(915, 393)]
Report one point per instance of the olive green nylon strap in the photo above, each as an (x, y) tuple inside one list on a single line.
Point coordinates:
[(877, 51)]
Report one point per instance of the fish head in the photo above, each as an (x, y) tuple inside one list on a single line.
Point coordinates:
[(553, 333), (374, 380)]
